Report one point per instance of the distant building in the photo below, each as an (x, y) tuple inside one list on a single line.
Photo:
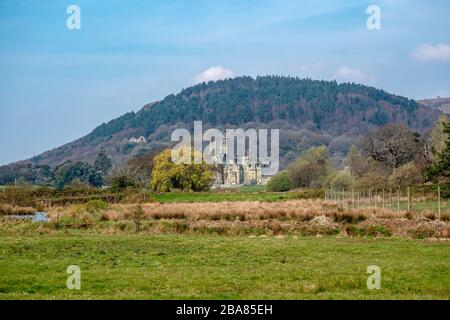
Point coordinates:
[(139, 140), (233, 173)]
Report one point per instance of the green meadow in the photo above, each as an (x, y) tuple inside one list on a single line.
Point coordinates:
[(143, 266), (237, 194)]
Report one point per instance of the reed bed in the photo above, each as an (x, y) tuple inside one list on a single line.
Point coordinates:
[(6, 210), (300, 210)]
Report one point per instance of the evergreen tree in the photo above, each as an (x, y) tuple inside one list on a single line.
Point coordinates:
[(440, 170), (437, 137), (103, 163)]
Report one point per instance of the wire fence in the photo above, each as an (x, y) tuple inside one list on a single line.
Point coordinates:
[(393, 199)]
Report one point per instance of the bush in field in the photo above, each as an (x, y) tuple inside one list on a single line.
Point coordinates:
[(77, 184), (96, 206), (280, 183), (17, 196), (122, 181)]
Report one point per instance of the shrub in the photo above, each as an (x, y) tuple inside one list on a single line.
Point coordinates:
[(122, 181), (280, 183), (96, 206), (370, 231), (138, 215), (423, 231)]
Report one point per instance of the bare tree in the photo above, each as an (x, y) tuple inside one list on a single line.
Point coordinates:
[(393, 145)]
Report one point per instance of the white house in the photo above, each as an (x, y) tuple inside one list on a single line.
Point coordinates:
[(141, 139)]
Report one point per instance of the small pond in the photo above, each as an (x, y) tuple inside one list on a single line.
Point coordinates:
[(37, 217)]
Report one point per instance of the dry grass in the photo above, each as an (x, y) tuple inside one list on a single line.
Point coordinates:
[(6, 209), (300, 210), (305, 217)]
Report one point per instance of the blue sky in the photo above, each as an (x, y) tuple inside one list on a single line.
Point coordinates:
[(57, 85)]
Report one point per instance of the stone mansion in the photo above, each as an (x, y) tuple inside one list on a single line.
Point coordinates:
[(233, 172)]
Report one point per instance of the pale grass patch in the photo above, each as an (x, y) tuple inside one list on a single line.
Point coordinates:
[(300, 210)]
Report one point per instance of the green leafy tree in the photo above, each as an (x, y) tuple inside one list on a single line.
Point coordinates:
[(312, 169), (356, 162), (121, 181), (82, 171), (342, 180), (167, 175)]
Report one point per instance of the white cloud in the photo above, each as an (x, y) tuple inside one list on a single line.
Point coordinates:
[(350, 74), (213, 74), (429, 52)]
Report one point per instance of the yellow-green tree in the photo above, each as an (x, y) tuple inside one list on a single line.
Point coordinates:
[(311, 169), (167, 175)]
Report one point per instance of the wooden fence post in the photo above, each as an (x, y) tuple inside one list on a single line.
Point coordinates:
[(398, 199), (359, 200), (363, 199), (409, 199), (383, 199), (390, 199), (375, 199), (57, 220), (367, 199), (353, 199), (439, 202)]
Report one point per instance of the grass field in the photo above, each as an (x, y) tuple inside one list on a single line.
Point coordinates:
[(217, 267), (239, 194), (243, 243), (186, 197)]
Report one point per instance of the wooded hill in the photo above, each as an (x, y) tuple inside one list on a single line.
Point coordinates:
[(307, 112)]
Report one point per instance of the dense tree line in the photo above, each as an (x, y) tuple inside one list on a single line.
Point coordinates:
[(62, 175), (390, 156)]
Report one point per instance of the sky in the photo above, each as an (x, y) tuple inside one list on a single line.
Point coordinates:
[(57, 84)]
